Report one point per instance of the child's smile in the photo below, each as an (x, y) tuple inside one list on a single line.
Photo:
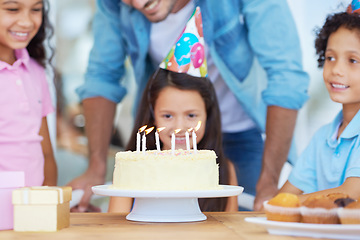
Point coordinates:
[(338, 86), (19, 22), (20, 36), (342, 67)]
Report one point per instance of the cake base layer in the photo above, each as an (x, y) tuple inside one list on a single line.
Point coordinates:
[(165, 170)]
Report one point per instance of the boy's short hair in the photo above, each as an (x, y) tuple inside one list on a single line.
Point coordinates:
[(332, 24)]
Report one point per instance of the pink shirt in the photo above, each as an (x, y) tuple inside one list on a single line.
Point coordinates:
[(24, 101)]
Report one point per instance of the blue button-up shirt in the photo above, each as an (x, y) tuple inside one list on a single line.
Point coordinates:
[(328, 160)]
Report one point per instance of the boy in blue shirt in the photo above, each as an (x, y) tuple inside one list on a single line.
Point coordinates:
[(331, 162)]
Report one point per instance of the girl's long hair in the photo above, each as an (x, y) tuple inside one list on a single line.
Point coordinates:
[(36, 47), (212, 138)]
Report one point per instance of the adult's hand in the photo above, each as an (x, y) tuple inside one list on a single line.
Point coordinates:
[(85, 182), (280, 126), (266, 188)]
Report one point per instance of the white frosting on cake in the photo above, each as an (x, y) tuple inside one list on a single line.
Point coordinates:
[(184, 170)]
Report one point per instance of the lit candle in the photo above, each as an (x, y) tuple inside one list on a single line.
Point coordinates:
[(173, 143), (138, 138), (147, 131), (194, 141), (173, 140), (157, 140), (144, 143), (187, 138), (194, 136), (138, 142)]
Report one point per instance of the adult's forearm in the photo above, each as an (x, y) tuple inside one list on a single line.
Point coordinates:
[(280, 127), (99, 116)]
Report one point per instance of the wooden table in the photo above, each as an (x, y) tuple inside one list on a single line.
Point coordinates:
[(108, 226)]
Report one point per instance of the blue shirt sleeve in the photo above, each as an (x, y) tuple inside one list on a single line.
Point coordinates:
[(274, 39), (106, 65)]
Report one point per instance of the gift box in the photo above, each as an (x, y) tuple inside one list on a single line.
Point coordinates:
[(9, 180), (41, 209)]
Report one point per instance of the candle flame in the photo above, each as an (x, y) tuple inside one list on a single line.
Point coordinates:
[(147, 131), (190, 129), (177, 130), (197, 126), (142, 128), (160, 129)]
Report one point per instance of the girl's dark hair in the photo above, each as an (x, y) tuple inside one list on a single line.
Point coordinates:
[(212, 138), (332, 24), (36, 47)]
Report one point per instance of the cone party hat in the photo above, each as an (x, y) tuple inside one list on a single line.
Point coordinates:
[(354, 6), (188, 53)]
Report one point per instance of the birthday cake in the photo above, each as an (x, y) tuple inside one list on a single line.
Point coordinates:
[(166, 170)]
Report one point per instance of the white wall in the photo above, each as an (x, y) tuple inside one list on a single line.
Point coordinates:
[(311, 14)]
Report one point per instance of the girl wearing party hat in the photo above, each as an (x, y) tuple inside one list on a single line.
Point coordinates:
[(179, 96), (331, 162)]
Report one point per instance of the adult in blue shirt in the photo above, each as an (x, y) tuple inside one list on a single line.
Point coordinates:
[(239, 34)]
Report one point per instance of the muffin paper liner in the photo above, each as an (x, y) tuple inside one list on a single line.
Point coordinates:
[(281, 210), (321, 212), (349, 213)]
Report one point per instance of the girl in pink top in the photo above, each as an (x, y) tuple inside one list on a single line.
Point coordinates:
[(24, 94)]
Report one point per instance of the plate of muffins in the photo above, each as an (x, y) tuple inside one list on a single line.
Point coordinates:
[(335, 215)]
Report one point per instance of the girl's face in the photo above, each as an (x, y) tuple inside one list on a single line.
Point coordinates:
[(20, 20), (179, 109), (342, 67)]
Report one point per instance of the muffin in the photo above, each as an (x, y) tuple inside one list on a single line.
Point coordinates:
[(284, 207), (319, 209), (343, 202), (310, 198), (334, 196), (350, 214)]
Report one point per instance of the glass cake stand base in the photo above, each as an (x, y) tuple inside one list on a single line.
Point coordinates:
[(167, 206), (166, 210)]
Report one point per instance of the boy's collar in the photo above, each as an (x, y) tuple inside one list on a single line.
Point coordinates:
[(351, 130)]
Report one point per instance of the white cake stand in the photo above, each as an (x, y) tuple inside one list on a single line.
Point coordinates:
[(167, 206)]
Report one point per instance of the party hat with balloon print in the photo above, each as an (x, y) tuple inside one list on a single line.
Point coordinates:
[(354, 6), (188, 53)]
